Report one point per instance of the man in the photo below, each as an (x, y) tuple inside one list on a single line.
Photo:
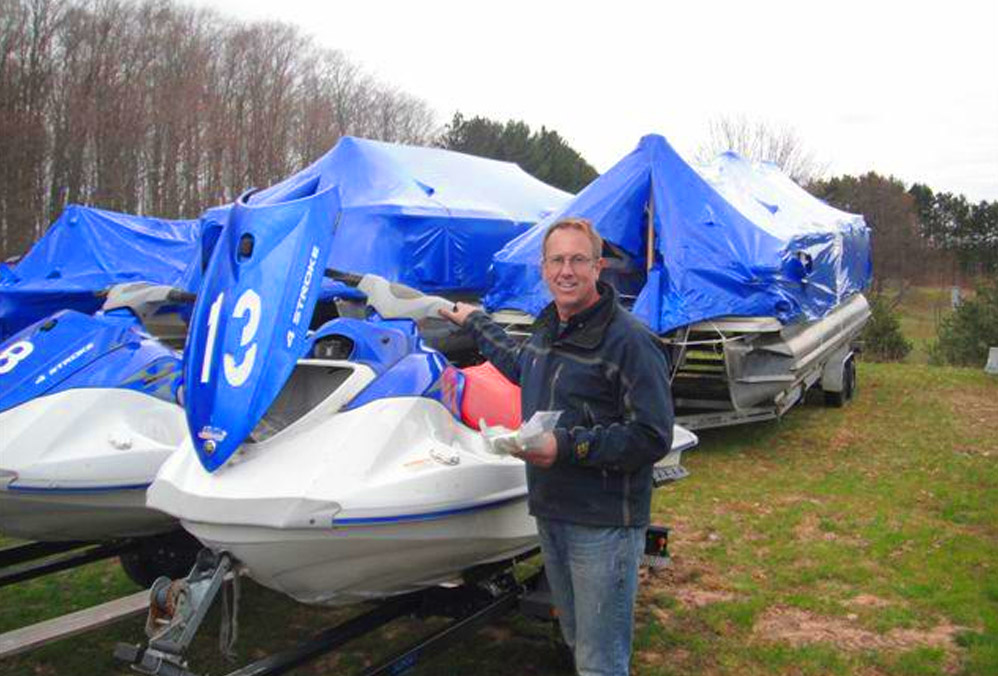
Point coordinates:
[(590, 480)]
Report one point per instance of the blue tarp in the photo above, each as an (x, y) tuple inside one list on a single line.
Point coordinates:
[(730, 238), (426, 217), (88, 250)]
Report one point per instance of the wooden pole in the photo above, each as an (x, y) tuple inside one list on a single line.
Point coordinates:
[(650, 253)]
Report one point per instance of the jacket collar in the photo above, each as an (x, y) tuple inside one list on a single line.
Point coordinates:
[(585, 329)]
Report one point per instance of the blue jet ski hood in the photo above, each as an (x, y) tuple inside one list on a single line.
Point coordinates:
[(249, 324), (73, 350)]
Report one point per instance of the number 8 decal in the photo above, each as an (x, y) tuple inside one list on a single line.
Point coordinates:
[(10, 357), (235, 373)]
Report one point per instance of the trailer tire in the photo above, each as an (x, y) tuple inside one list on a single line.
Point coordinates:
[(170, 554), (848, 392)]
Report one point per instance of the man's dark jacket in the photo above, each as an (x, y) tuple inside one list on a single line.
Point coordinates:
[(609, 376)]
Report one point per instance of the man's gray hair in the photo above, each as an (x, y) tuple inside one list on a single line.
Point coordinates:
[(583, 225)]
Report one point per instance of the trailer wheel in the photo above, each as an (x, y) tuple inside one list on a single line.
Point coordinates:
[(839, 399), (170, 554)]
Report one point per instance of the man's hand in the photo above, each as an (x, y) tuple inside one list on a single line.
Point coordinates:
[(541, 453), (459, 313)]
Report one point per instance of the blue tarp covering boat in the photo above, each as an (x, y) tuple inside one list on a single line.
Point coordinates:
[(426, 217), (731, 238), (87, 250)]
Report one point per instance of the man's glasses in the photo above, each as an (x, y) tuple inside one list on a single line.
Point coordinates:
[(576, 262)]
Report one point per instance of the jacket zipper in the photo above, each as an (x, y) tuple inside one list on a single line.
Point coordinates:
[(554, 384)]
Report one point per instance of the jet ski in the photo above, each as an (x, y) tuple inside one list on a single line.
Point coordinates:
[(88, 413), (343, 463)]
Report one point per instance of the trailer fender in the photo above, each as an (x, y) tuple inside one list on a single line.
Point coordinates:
[(833, 372), (838, 377)]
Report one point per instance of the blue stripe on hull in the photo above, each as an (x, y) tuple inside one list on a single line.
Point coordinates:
[(82, 489), (426, 516)]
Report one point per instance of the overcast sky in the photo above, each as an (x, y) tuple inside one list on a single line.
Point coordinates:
[(909, 89)]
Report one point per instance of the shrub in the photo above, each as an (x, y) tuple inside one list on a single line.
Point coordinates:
[(882, 337), (963, 337)]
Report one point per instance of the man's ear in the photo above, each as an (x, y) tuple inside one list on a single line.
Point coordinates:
[(600, 265)]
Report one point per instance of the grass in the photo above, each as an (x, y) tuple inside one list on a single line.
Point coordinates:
[(861, 540), (61, 593)]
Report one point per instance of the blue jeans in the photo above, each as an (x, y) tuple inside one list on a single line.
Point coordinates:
[(593, 573)]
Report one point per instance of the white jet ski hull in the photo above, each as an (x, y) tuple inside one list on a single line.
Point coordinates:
[(385, 499), (85, 516), (75, 465), (351, 564)]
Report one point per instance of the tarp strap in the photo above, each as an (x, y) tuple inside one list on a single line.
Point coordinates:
[(228, 633)]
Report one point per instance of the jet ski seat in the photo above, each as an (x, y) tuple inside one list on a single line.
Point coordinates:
[(489, 396)]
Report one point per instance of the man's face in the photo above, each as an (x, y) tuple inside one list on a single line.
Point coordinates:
[(570, 271)]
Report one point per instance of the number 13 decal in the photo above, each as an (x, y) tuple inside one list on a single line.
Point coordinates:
[(236, 373)]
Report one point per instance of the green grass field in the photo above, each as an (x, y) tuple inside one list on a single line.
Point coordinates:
[(854, 541), (861, 540)]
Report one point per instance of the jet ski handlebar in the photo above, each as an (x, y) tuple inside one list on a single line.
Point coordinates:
[(144, 298), (181, 297), (392, 300), (347, 278), (155, 305)]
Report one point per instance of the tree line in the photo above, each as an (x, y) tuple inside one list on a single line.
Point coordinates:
[(954, 224), (153, 107), (918, 236)]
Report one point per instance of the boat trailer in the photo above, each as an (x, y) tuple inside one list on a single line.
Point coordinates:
[(732, 370), (35, 559), (178, 607), (738, 370), (139, 557)]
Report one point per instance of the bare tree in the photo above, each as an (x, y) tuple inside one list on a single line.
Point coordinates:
[(26, 81), (761, 141), (148, 106)]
